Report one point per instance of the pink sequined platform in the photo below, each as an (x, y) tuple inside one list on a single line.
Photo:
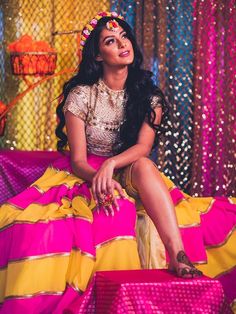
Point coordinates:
[(153, 291)]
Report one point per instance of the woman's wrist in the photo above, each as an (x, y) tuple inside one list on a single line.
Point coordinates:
[(111, 161)]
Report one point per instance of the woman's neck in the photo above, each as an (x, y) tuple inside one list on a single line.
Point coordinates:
[(116, 79)]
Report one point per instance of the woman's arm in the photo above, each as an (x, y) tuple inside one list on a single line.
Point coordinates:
[(103, 177), (78, 147), (78, 153), (141, 149)]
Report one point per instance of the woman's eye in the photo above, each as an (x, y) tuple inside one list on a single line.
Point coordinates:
[(124, 35), (110, 41)]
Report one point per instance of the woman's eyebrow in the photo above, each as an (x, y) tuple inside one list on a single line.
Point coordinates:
[(112, 36)]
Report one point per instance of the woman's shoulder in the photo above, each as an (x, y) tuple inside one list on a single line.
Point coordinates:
[(81, 89)]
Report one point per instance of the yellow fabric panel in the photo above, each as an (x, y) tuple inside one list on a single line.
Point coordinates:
[(52, 177), (110, 256), (28, 276), (220, 259), (199, 204), (3, 278), (233, 200), (35, 212), (79, 270), (150, 247), (185, 214), (167, 181), (8, 214), (49, 172), (80, 208)]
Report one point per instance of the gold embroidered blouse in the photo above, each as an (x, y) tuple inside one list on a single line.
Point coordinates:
[(102, 110)]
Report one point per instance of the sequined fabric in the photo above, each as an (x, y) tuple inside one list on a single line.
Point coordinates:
[(18, 169), (152, 291), (214, 151), (103, 111)]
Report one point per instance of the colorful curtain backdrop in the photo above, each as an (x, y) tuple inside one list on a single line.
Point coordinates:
[(190, 47), (214, 149)]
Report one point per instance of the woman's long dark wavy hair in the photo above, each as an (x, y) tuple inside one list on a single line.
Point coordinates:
[(139, 89)]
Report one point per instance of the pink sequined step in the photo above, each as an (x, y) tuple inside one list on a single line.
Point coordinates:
[(157, 291)]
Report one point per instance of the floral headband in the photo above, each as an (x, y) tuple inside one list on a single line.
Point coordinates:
[(111, 25)]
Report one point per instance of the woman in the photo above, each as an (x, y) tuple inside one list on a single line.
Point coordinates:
[(111, 65), (80, 216)]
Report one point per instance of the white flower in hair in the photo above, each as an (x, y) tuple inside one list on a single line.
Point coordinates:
[(86, 32), (94, 21)]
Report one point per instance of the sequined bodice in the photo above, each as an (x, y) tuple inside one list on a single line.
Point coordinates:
[(102, 110)]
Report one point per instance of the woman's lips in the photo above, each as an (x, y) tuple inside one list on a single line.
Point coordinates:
[(124, 54)]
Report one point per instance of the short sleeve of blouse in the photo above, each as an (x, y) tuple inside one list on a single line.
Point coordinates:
[(156, 101), (77, 102)]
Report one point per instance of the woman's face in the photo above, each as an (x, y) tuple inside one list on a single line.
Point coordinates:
[(115, 49)]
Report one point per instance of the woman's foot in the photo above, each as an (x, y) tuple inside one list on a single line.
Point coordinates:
[(183, 267)]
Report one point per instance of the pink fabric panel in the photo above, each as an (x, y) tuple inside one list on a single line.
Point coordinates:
[(25, 198), (74, 302), (83, 235), (43, 304), (145, 276), (54, 194), (218, 222), (96, 161), (176, 195), (29, 239), (193, 243), (228, 282), (82, 189), (63, 163), (122, 224)]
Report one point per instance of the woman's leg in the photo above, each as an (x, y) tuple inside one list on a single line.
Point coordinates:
[(159, 206)]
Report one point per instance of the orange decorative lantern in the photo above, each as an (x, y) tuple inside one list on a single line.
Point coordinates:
[(29, 57)]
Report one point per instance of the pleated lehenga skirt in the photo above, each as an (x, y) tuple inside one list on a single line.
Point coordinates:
[(53, 239)]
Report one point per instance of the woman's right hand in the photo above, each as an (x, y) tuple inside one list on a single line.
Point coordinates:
[(106, 199)]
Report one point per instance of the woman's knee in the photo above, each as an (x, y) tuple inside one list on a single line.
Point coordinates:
[(143, 165)]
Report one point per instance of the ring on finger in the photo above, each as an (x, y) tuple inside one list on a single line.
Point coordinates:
[(106, 200)]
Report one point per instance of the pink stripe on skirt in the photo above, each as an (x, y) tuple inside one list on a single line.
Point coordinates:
[(59, 236), (42, 304), (218, 222)]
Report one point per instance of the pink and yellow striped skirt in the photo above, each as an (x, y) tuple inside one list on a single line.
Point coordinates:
[(52, 239)]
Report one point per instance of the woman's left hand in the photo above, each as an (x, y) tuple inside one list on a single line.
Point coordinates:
[(103, 184)]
